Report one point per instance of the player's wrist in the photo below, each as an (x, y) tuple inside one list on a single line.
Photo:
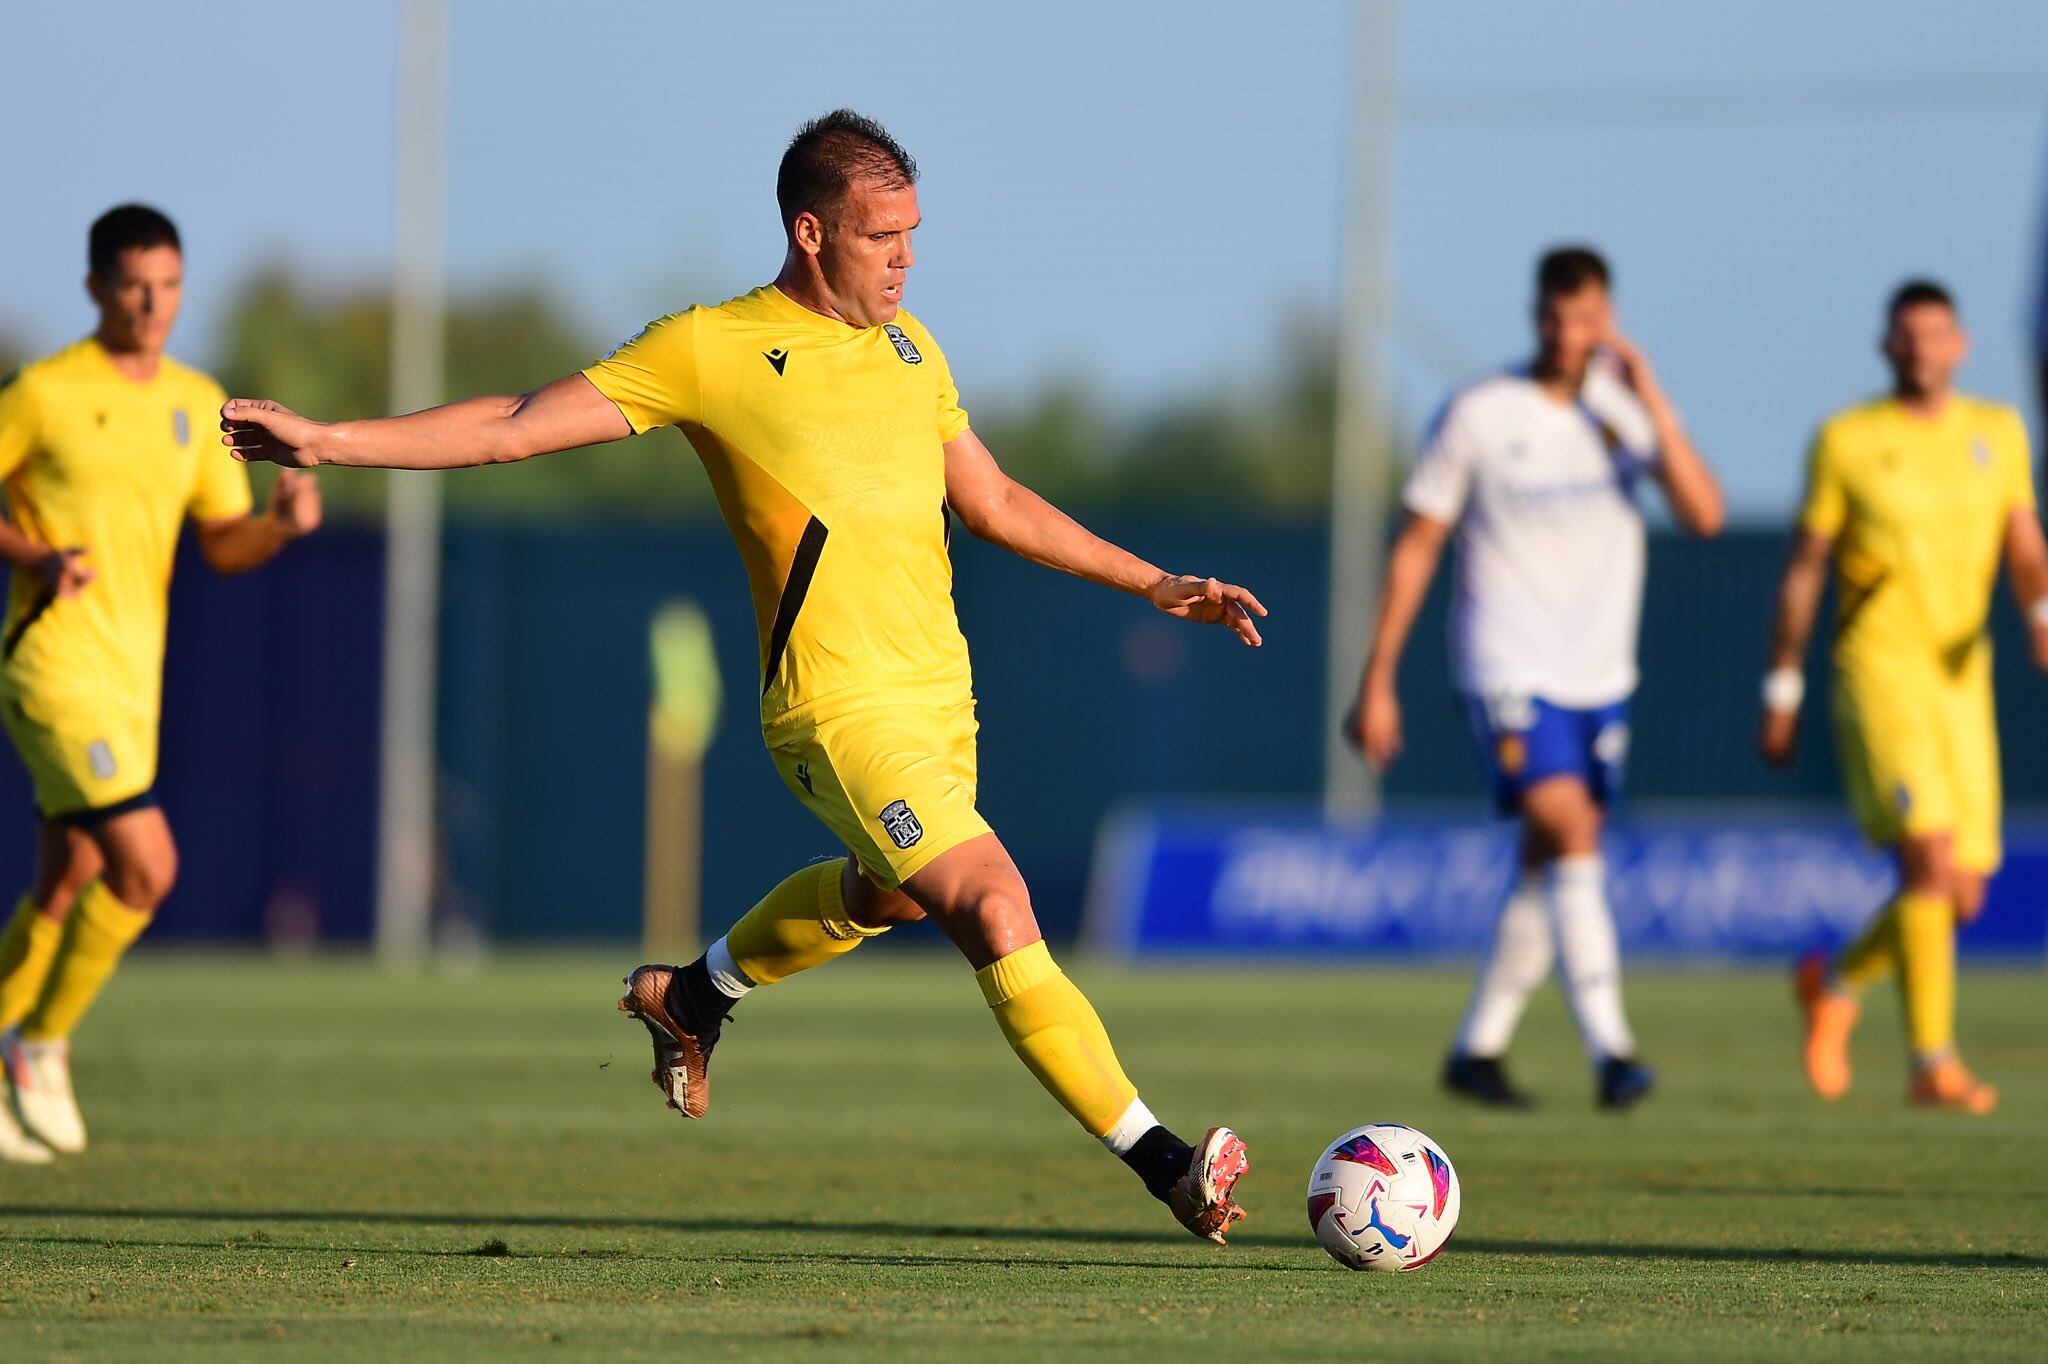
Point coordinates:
[(1784, 689), (2037, 613)]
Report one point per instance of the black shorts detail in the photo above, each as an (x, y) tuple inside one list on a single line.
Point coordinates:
[(801, 568), (94, 816)]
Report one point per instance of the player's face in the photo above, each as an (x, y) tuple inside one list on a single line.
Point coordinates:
[(866, 253), (1569, 327), (1925, 345), (138, 299)]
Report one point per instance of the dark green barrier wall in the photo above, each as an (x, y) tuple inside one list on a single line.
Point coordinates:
[(1087, 699)]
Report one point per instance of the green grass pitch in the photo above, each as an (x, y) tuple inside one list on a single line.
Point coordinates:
[(317, 1161)]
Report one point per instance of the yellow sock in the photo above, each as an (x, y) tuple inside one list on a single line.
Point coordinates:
[(97, 933), (1927, 978), (26, 951), (1875, 953), (1054, 1030), (797, 925)]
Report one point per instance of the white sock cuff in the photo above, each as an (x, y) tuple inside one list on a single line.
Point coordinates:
[(1136, 1122), (1578, 869), (725, 973)]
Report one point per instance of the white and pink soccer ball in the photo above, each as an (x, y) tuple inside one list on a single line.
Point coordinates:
[(1383, 1197)]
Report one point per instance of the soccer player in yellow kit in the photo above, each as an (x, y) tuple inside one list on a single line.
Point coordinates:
[(835, 442), (1916, 498), (105, 450)]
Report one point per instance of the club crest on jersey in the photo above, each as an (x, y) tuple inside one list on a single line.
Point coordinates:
[(905, 348), (901, 825), (181, 427), (99, 756), (1981, 451)]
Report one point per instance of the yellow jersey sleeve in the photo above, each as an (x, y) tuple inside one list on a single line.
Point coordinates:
[(18, 434), (220, 490), (654, 378), (1827, 502), (952, 417)]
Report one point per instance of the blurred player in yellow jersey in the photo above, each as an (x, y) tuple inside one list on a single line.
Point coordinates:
[(105, 449), (827, 419), (1916, 498)]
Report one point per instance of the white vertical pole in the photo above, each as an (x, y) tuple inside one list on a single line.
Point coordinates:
[(1363, 467), (412, 565)]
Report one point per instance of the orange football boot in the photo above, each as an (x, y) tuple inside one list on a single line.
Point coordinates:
[(1948, 1083), (1830, 1017)]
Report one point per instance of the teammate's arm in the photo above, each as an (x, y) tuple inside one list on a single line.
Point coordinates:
[(236, 544), (1799, 592), (2026, 566), (996, 508), (561, 416), (1689, 485), (1375, 722)]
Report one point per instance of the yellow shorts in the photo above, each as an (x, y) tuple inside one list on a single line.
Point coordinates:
[(1921, 757), (81, 759), (895, 784)]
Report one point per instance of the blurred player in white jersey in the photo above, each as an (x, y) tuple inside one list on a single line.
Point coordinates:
[(1536, 470)]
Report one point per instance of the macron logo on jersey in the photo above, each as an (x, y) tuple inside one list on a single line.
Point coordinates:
[(777, 357)]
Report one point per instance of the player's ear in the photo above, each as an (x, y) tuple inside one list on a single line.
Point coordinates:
[(808, 233)]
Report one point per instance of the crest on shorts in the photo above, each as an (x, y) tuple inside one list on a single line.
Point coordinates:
[(1512, 753), (181, 427), (901, 824), (906, 350)]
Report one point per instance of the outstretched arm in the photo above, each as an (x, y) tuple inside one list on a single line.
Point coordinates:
[(1375, 722), (997, 508), (565, 414), (1806, 575)]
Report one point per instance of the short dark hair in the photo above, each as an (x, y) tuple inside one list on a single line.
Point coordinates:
[(128, 227), (828, 154), (1565, 270), (1915, 292)]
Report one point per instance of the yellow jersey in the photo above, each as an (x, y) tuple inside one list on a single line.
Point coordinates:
[(91, 458), (1918, 509), (824, 444)]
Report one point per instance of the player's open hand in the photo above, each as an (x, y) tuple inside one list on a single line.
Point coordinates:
[(1374, 727), (64, 572), (1207, 601), (261, 430), (1778, 736), (295, 502)]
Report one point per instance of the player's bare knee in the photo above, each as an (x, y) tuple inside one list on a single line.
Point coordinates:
[(872, 906), (1927, 865), (1561, 819), (143, 882)]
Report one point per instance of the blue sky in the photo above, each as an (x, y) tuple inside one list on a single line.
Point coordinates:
[(1135, 194)]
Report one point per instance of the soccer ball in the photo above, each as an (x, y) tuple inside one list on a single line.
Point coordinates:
[(1383, 1196)]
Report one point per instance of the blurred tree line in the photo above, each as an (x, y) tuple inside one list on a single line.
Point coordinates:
[(1260, 446)]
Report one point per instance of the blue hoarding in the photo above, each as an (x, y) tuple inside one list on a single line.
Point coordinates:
[(1291, 884)]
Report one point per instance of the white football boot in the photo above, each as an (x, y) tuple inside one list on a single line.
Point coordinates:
[(40, 1073), (17, 1146)]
